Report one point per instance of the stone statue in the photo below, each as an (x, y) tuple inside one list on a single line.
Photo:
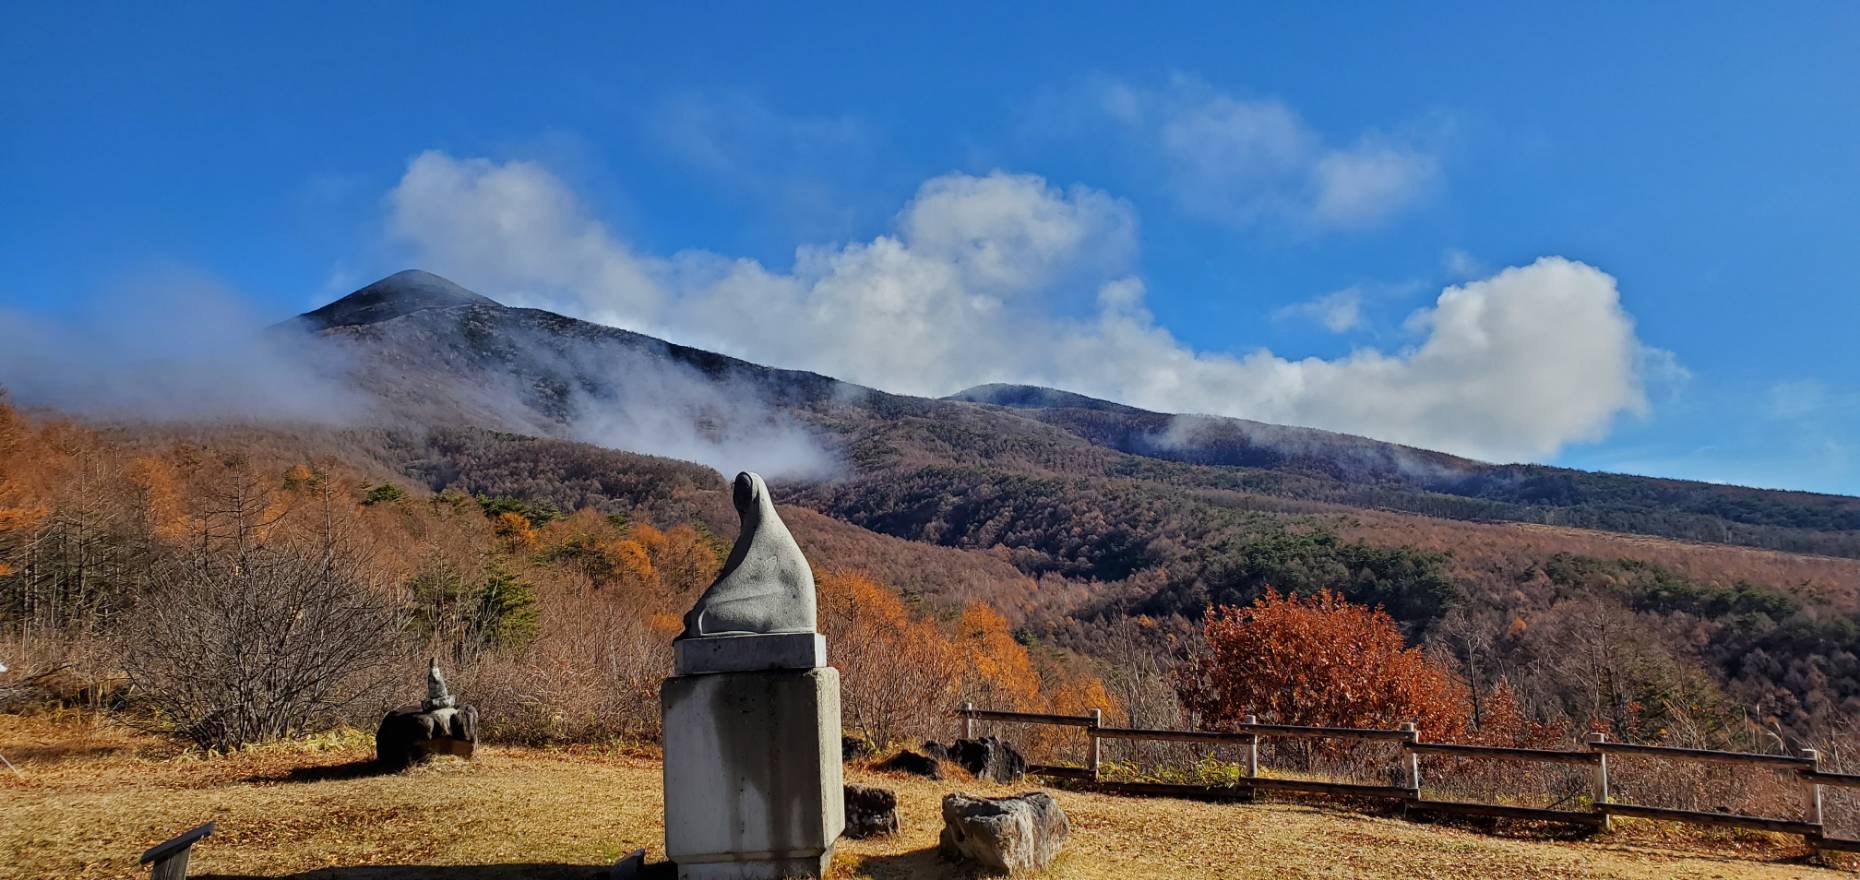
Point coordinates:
[(437, 697), (753, 786), (766, 585)]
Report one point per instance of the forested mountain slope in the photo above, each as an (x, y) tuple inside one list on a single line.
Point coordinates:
[(435, 353), (1119, 511), (1357, 470)]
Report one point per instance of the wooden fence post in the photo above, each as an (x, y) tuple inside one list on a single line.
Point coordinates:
[(968, 721), (1252, 750), (1097, 747), (1414, 758), (1599, 794)]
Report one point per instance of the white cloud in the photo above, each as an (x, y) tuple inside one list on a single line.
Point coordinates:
[(169, 343), (515, 227), (815, 175), (1339, 311), (1006, 278), (1247, 160)]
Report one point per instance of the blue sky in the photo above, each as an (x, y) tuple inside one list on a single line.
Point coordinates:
[(1246, 212)]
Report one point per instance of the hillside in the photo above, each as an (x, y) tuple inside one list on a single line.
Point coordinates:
[(539, 371), (311, 811), (441, 354), (1095, 529), (1119, 511), (1357, 470)]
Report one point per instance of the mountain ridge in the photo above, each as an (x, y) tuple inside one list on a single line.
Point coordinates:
[(444, 354)]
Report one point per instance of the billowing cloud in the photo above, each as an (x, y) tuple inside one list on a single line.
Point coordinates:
[(514, 225), (1247, 160), (1007, 278)]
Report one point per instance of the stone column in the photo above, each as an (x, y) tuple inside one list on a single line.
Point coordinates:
[(753, 789)]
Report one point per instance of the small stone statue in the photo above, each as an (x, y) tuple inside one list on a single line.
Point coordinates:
[(437, 697), (766, 585)]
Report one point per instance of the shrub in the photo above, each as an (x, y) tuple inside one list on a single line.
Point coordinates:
[(1316, 660), (258, 645)]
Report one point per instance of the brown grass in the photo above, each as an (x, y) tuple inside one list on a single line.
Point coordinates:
[(92, 796)]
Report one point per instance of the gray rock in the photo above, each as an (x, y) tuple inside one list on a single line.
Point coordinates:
[(989, 758), (852, 748), (913, 763), (631, 866), (870, 811), (1004, 835), (412, 734), (766, 585)]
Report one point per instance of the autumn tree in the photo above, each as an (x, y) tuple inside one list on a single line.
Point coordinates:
[(997, 672), (899, 672), (1315, 660)]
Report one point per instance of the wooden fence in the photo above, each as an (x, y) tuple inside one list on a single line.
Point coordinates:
[(1410, 791)]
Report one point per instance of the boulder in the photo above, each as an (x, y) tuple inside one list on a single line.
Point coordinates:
[(870, 811), (913, 763), (1004, 835), (989, 758), (413, 733), (853, 748)]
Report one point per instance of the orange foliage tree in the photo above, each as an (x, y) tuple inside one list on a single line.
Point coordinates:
[(998, 673), (1316, 660), (898, 673)]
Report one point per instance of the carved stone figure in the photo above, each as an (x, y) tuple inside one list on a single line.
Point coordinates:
[(437, 697), (753, 785), (766, 585)]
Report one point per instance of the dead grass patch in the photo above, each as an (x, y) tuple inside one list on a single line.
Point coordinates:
[(94, 796)]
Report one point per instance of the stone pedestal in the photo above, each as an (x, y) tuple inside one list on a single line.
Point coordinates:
[(753, 788), (750, 653)]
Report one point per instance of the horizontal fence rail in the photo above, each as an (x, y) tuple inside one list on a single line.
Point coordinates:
[(1706, 755), (1471, 751), (1804, 767)]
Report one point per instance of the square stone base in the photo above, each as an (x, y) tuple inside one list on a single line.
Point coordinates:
[(753, 789), (749, 653)]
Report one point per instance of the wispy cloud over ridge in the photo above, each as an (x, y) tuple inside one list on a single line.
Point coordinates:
[(1251, 160)]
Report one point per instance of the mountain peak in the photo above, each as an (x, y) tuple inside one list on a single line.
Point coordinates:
[(404, 292), (1035, 397)]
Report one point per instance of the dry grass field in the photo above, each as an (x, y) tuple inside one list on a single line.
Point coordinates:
[(90, 796)]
